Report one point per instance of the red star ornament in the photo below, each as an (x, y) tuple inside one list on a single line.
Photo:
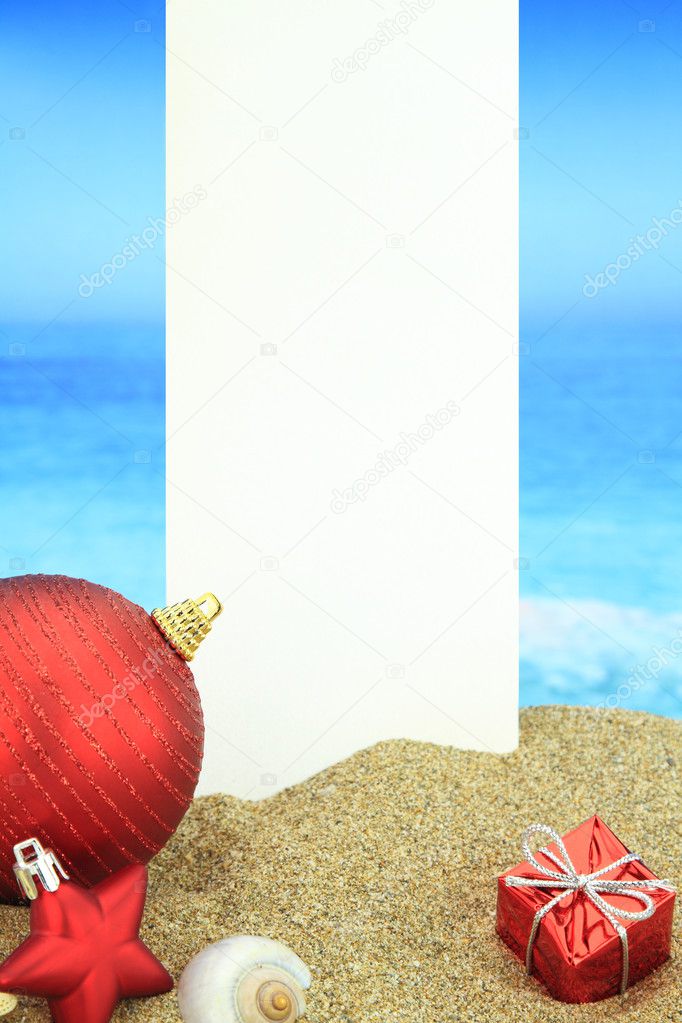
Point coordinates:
[(84, 953)]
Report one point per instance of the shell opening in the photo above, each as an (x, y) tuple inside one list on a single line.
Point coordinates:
[(275, 1001), (269, 994)]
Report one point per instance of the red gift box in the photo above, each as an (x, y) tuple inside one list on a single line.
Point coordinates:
[(575, 947)]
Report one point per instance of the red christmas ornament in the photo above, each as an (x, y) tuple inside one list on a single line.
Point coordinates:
[(84, 953), (101, 729)]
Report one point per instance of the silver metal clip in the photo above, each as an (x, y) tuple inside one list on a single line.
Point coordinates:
[(40, 863)]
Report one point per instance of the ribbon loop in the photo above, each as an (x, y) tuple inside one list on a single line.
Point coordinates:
[(568, 880)]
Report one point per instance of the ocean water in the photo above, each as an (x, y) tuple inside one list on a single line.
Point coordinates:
[(83, 484), (601, 519), (82, 471)]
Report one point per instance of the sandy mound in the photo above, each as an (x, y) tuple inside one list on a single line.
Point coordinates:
[(380, 872)]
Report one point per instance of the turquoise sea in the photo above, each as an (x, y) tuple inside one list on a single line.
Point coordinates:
[(601, 519), (82, 467)]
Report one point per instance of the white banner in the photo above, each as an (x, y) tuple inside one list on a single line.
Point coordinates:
[(342, 374)]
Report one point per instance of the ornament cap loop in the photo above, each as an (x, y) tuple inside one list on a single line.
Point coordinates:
[(210, 605), (41, 864), (187, 624)]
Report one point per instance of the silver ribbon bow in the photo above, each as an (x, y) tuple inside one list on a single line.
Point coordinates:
[(593, 885)]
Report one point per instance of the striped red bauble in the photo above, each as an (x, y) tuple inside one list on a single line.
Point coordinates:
[(101, 729)]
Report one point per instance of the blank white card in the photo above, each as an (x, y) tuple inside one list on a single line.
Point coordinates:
[(342, 375)]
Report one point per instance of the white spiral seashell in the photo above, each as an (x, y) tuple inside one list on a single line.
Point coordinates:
[(244, 979)]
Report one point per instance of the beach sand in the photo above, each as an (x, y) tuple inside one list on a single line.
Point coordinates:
[(381, 872)]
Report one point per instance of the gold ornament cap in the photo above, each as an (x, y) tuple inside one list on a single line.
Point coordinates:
[(186, 625)]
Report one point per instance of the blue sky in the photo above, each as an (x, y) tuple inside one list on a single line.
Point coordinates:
[(82, 155), (600, 98), (82, 168)]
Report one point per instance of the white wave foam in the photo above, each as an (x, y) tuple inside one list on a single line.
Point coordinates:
[(586, 651)]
